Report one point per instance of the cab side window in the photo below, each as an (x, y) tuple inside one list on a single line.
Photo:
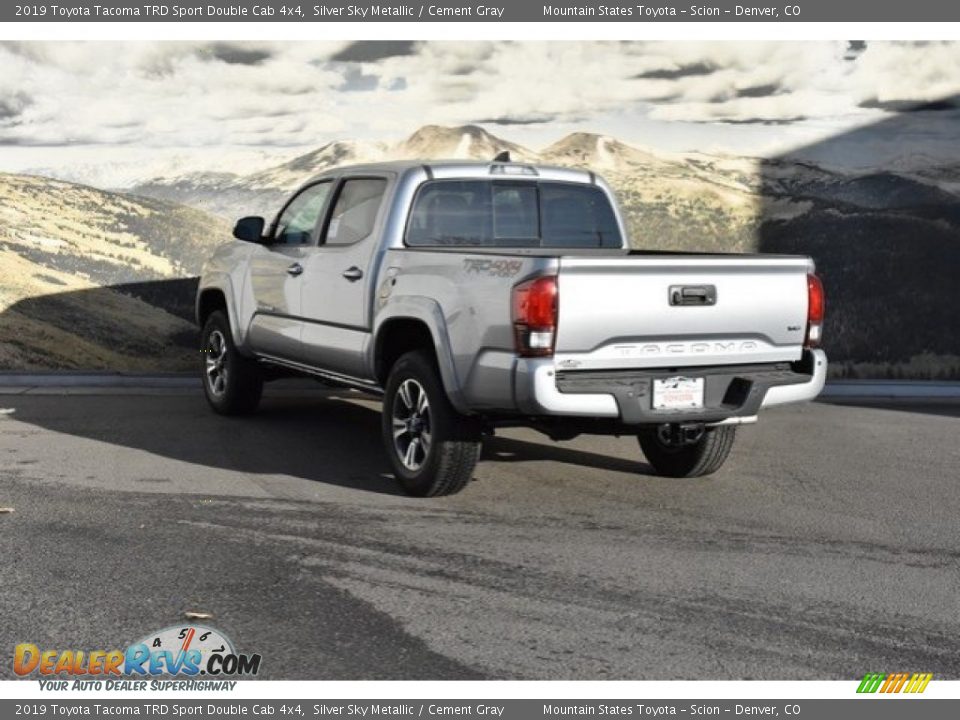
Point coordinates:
[(355, 211), (298, 221)]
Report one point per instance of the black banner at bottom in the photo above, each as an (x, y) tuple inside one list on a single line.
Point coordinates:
[(872, 707)]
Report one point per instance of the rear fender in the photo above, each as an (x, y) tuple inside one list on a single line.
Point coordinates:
[(428, 312)]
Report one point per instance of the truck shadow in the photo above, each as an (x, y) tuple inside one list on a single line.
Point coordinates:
[(302, 431), (504, 449), (312, 437)]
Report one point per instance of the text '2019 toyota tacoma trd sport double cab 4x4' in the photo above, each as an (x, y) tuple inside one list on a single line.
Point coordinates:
[(474, 296)]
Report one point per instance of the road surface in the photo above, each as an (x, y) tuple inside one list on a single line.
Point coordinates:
[(828, 546)]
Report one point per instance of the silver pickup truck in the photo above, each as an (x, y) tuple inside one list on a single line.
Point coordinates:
[(474, 296)]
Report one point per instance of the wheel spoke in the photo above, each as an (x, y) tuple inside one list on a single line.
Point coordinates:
[(399, 427), (422, 403), (404, 394), (409, 457)]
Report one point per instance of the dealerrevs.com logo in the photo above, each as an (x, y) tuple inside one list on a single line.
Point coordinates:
[(179, 651)]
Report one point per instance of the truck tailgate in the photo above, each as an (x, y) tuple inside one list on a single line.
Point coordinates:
[(625, 312)]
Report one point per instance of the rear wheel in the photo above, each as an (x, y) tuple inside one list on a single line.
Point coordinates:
[(673, 457), (232, 383), (432, 448)]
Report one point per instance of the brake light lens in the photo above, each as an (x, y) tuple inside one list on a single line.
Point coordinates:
[(816, 304), (535, 316)]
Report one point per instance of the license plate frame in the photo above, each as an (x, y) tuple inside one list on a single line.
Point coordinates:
[(678, 393)]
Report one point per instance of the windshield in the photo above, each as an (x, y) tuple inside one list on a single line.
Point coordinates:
[(499, 213)]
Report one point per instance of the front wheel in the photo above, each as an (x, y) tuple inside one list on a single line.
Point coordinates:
[(432, 448), (232, 383), (673, 458)]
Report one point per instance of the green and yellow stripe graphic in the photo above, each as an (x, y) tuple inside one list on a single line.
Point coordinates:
[(894, 682)]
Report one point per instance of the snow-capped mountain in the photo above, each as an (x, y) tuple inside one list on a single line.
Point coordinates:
[(465, 142), (333, 154), (86, 167), (600, 152), (260, 193)]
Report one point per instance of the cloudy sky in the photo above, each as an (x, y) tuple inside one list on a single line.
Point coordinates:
[(233, 105)]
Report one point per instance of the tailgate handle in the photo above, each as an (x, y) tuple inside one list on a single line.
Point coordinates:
[(693, 294)]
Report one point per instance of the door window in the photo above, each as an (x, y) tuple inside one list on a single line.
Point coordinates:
[(299, 219), (355, 212)]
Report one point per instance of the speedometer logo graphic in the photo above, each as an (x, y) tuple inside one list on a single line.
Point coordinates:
[(181, 639), (189, 650)]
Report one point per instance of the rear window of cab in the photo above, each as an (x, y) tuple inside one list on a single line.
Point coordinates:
[(512, 213)]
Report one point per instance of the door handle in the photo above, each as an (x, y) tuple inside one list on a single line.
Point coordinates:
[(353, 273), (295, 269), (693, 294)]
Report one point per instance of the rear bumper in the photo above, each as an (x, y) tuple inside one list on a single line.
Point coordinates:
[(816, 362), (732, 391)]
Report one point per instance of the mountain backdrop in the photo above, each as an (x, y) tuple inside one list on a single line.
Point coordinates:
[(100, 279)]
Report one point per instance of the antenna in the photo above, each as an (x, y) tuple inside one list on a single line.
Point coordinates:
[(502, 156)]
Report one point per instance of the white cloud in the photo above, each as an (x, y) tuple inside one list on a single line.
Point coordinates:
[(905, 71), (183, 95)]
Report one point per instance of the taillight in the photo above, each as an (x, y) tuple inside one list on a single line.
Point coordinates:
[(535, 316), (815, 307)]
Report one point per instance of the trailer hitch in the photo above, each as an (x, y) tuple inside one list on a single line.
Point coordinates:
[(680, 434)]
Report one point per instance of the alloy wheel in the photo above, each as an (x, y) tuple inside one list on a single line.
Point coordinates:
[(216, 363), (412, 433)]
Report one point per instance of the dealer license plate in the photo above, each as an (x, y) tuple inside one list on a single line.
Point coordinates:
[(677, 393)]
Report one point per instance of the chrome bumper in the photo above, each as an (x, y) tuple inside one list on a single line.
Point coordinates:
[(802, 392), (536, 393)]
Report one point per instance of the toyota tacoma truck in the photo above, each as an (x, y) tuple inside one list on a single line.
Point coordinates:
[(474, 296)]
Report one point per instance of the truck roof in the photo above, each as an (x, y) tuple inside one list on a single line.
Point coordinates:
[(467, 168)]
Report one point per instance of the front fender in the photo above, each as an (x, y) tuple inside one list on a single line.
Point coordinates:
[(221, 282), (227, 271)]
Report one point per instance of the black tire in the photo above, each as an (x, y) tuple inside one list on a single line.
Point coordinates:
[(447, 444), (232, 383), (703, 457)]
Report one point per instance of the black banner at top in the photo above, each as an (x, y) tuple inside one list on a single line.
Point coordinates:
[(489, 11)]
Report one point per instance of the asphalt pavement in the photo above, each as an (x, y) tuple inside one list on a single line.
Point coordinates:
[(828, 546)]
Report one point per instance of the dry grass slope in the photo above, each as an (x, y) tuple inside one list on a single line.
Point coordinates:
[(63, 247)]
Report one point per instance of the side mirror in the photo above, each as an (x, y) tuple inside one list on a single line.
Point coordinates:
[(249, 229)]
